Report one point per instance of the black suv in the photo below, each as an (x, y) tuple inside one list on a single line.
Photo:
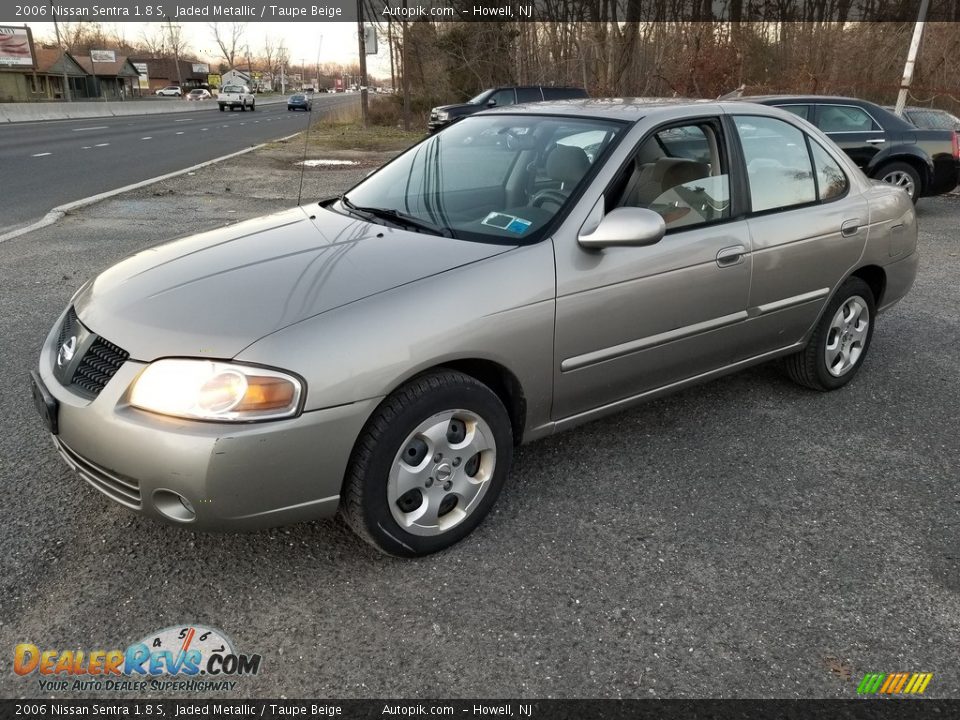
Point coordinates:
[(442, 116), (886, 147)]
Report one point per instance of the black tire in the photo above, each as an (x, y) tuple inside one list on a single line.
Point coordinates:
[(253, 107), (222, 108), (364, 504), (243, 107), (809, 366), (902, 167)]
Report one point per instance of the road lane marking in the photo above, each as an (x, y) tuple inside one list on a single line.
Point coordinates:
[(184, 120), (101, 144), (85, 147), (99, 127), (41, 154), (58, 212), (148, 137), (180, 133)]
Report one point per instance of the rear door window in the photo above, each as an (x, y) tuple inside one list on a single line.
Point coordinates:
[(845, 118), (798, 110), (526, 95), (779, 170)]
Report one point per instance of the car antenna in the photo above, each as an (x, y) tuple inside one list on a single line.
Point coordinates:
[(306, 134)]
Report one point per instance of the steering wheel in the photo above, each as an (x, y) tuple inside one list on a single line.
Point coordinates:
[(548, 195)]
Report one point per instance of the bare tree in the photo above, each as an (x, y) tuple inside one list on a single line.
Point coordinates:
[(228, 37)]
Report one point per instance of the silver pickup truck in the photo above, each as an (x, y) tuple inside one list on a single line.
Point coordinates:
[(236, 96)]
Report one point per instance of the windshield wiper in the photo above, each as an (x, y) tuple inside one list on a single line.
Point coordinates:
[(398, 218)]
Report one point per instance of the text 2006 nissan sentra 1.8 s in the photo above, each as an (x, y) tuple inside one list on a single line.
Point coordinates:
[(523, 271)]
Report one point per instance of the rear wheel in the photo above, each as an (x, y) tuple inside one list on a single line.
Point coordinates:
[(840, 341), (902, 175), (253, 106), (222, 108), (243, 106), (428, 465)]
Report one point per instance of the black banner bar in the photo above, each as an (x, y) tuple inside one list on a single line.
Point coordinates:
[(857, 709), (19, 11)]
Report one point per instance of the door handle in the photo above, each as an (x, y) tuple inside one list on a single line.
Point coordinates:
[(850, 227), (732, 255), (876, 141)]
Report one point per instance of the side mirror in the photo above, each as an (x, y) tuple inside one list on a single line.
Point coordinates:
[(491, 103), (625, 226)]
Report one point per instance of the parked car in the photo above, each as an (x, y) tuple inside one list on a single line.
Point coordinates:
[(170, 90), (198, 94), (930, 118), (442, 116), (384, 351), (886, 147), (236, 96), (299, 101)]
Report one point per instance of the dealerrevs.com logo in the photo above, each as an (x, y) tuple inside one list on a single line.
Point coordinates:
[(185, 658)]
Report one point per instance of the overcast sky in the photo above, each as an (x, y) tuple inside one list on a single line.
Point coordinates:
[(335, 42)]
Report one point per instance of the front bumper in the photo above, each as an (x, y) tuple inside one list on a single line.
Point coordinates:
[(233, 476)]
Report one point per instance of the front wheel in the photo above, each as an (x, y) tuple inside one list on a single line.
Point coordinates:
[(243, 107), (839, 343), (428, 465), (253, 106), (902, 175), (222, 108)]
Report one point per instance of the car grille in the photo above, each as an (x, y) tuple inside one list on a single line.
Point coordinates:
[(100, 362), (118, 488), (98, 365)]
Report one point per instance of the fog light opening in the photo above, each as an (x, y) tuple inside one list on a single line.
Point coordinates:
[(174, 506)]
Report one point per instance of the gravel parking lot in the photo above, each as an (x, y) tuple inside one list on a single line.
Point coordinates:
[(746, 538)]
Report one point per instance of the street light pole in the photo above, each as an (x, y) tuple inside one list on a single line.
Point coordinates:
[(911, 58), (361, 39), (63, 55), (176, 55)]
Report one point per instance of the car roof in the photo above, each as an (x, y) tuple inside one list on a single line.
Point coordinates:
[(624, 109)]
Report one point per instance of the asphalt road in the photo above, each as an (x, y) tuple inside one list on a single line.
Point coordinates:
[(746, 538), (49, 163)]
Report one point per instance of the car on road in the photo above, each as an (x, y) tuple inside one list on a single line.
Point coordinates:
[(383, 352), (236, 96), (931, 118), (299, 101), (199, 94), (443, 115), (170, 91), (884, 146)]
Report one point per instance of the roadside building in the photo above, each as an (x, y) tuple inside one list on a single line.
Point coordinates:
[(235, 77), (161, 72), (43, 79), (110, 76)]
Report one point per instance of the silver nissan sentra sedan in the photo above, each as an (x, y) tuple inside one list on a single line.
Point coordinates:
[(523, 271)]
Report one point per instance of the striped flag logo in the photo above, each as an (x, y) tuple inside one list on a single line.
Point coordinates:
[(894, 683)]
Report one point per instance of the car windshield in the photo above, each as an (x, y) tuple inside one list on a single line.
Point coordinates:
[(481, 98), (497, 178)]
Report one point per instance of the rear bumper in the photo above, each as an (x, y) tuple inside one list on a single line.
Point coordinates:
[(900, 276)]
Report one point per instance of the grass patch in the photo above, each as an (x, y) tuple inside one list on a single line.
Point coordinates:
[(351, 136)]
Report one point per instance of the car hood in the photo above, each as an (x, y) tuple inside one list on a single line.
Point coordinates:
[(213, 294), (462, 108)]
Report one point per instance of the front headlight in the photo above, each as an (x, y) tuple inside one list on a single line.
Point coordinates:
[(443, 115), (207, 390)]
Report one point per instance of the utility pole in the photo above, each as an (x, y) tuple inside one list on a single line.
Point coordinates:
[(63, 55), (176, 55), (361, 40), (911, 58)]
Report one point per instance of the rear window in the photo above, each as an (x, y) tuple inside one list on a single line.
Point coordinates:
[(845, 118), (563, 93), (233, 89)]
